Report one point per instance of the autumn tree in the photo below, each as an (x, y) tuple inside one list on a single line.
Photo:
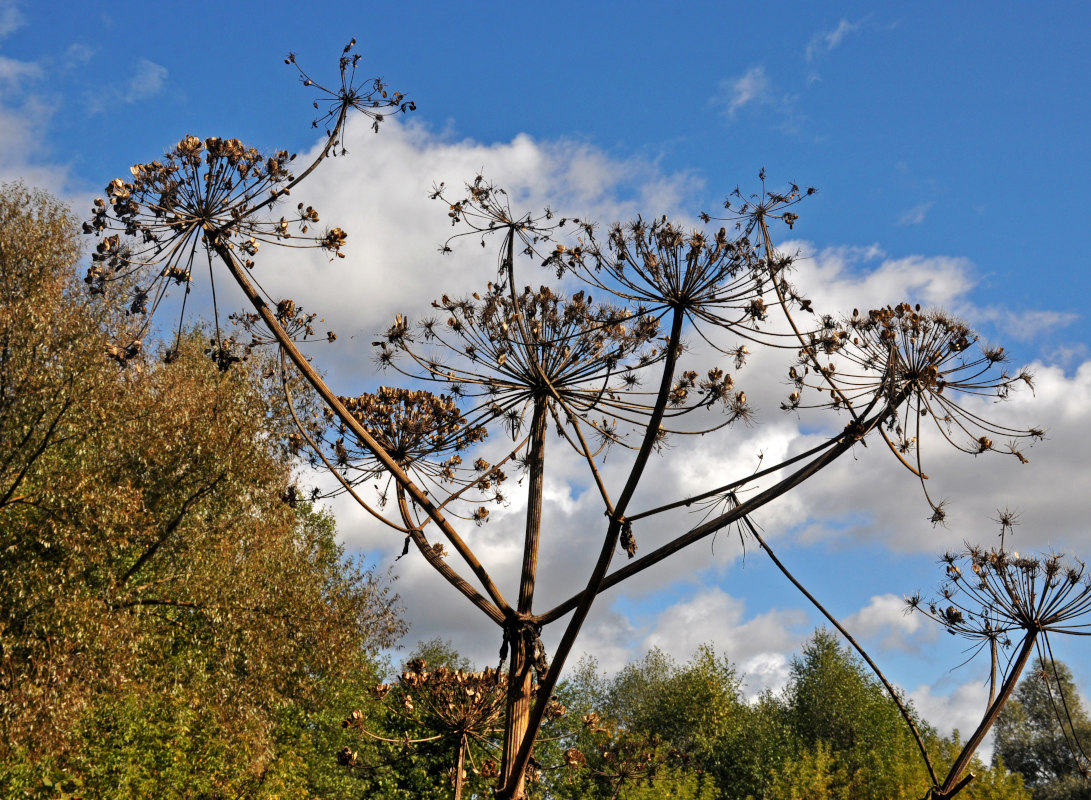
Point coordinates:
[(487, 377), (170, 608)]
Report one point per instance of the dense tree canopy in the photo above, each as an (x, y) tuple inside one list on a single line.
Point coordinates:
[(170, 624), (1045, 734), (831, 733)]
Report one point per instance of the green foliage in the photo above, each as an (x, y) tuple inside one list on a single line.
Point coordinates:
[(439, 652), (673, 783), (833, 700), (690, 706), (1031, 738), (832, 733)]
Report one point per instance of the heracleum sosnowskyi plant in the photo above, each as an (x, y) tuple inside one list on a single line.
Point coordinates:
[(463, 709), (608, 373), (1008, 604)]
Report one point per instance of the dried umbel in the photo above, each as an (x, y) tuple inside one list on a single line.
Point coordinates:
[(212, 199), (719, 282), (463, 707), (585, 359), (503, 351), (451, 700), (202, 191), (927, 364), (615, 756), (424, 433), (484, 209), (369, 97), (1005, 601), (993, 595)]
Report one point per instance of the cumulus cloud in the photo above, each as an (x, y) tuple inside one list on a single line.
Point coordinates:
[(684, 626), (954, 708), (757, 644), (22, 154), (885, 622), (379, 194), (395, 230)]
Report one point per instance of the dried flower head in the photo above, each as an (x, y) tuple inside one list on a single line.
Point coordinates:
[(371, 98), (453, 702), (424, 433), (718, 281), (484, 209), (924, 366), (990, 595), (207, 200)]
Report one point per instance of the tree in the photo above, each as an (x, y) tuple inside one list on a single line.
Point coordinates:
[(676, 714), (833, 731), (161, 582), (613, 373), (843, 720), (1043, 734)]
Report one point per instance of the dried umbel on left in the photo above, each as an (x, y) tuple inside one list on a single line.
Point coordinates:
[(212, 199)]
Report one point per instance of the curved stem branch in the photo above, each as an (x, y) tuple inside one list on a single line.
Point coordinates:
[(418, 496)]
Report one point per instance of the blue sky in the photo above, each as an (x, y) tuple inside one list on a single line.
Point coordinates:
[(947, 144)]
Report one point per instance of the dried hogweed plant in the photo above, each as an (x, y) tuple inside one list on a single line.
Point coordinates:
[(465, 708), (648, 348), (1008, 605), (216, 200), (615, 757)]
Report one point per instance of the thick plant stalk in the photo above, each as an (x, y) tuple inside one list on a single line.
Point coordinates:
[(460, 766), (952, 785), (511, 784), (312, 377), (520, 667)]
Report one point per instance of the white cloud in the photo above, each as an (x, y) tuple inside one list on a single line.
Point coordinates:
[(758, 645), (21, 146), (754, 90), (958, 708), (25, 115), (1024, 325), (13, 71), (379, 194), (825, 41), (916, 214), (752, 87), (884, 621), (147, 81), (11, 18), (1067, 355), (714, 615)]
